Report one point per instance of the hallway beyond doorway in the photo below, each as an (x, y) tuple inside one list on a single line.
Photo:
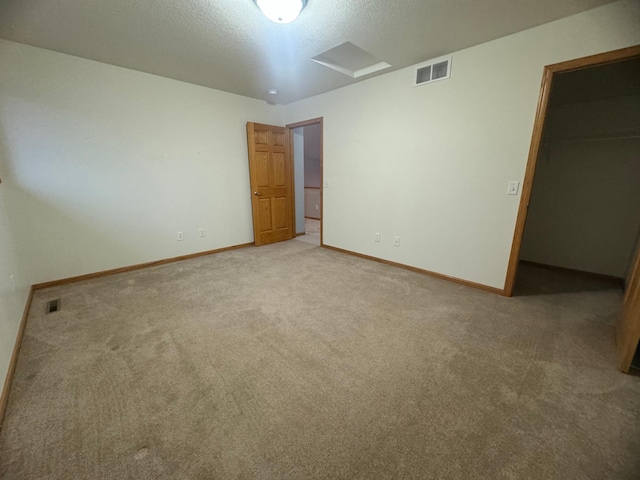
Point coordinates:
[(311, 231)]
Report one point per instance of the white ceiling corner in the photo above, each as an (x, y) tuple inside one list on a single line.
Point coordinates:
[(229, 45)]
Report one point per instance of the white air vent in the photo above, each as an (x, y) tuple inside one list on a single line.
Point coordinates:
[(432, 71)]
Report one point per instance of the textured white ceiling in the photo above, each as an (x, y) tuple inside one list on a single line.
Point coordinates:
[(229, 45)]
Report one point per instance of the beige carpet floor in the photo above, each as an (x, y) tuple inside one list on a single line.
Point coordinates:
[(290, 361)]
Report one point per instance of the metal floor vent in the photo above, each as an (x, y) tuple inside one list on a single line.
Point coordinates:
[(53, 306)]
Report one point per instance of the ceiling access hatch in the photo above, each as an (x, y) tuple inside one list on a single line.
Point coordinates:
[(350, 60)]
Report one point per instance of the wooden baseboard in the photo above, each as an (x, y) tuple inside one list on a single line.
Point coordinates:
[(478, 286), (130, 268), (572, 270), (4, 399), (299, 234), (312, 218)]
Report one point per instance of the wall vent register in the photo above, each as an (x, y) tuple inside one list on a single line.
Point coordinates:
[(432, 71)]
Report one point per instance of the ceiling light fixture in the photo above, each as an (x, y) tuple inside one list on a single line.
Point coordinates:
[(281, 11)]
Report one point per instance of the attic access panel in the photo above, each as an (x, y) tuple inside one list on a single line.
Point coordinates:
[(350, 60)]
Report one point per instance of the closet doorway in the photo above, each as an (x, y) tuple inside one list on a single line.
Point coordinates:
[(580, 207)]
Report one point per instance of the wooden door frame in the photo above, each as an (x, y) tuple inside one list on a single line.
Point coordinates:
[(289, 128), (538, 127), (628, 332)]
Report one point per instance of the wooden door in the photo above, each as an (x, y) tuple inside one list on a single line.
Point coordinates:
[(271, 175), (628, 331)]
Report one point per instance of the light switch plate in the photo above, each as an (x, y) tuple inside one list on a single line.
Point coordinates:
[(513, 188)]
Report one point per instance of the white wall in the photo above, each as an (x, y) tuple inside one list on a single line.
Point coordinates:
[(612, 116), (312, 172), (109, 163), (312, 203), (312, 153), (13, 292), (584, 212), (431, 164), (101, 166), (298, 172)]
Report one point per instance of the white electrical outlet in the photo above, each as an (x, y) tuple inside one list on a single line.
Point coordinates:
[(513, 188), (326, 183), (201, 232), (13, 282), (317, 207), (396, 241), (377, 237), (180, 236)]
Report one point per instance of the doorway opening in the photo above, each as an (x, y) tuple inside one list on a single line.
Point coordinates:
[(306, 151), (578, 226)]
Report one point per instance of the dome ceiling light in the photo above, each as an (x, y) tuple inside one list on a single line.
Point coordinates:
[(281, 11)]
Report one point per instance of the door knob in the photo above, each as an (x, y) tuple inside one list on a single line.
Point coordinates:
[(256, 194)]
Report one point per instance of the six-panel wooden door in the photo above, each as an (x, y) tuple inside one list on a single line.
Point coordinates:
[(271, 178)]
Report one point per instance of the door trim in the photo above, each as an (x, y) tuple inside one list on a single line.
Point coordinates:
[(536, 140), (628, 331), (289, 128)]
